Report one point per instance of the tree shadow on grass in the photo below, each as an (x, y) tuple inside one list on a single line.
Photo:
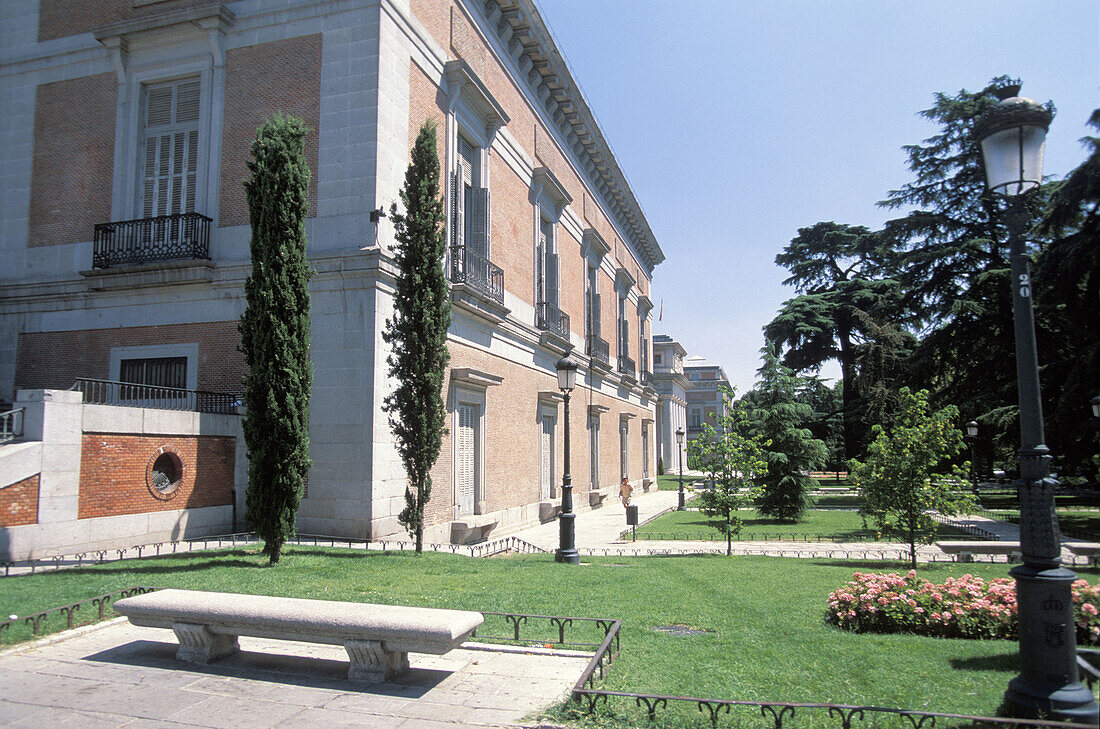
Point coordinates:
[(1000, 663)]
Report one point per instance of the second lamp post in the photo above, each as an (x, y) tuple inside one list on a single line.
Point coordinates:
[(680, 443), (567, 550)]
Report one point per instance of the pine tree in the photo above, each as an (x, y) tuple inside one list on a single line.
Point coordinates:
[(275, 332), (417, 332), (778, 417)]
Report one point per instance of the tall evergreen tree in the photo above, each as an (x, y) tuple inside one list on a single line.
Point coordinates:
[(417, 332), (778, 418), (275, 332), (847, 310)]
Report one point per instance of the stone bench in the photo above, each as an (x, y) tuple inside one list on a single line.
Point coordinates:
[(1085, 549), (473, 529), (596, 497), (549, 510), (378, 638), (967, 550)]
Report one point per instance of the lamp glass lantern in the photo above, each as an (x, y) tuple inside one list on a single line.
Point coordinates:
[(1096, 406), (567, 374), (1013, 138), (680, 431), (972, 429)]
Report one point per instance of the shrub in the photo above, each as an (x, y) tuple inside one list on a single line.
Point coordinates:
[(962, 607), (660, 467)]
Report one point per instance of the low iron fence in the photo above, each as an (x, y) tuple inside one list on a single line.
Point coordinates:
[(146, 240), (128, 394), (38, 622)]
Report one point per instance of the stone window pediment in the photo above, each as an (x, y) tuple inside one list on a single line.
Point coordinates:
[(464, 84)]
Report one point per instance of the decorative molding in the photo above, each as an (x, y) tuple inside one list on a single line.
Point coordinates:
[(624, 281), (475, 378), (597, 410), (461, 80), (211, 16), (593, 246), (544, 183), (645, 305), (550, 396)]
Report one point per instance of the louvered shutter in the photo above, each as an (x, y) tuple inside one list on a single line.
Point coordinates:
[(540, 271), (552, 279), (458, 207), (546, 455), (479, 221), (464, 457), (596, 315), (171, 149)]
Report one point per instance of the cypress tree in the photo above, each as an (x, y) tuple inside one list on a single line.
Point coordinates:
[(778, 418), (417, 332), (275, 332)]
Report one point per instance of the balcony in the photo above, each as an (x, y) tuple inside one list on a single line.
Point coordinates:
[(147, 240), (599, 351), (646, 377), (627, 369), (550, 318), (478, 272)]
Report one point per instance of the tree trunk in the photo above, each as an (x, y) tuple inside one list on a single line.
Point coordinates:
[(848, 391), (275, 551), (420, 519)]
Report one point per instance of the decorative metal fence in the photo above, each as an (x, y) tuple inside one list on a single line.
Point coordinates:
[(11, 425), (145, 240), (598, 349), (127, 394), (477, 272), (626, 366), (37, 621)]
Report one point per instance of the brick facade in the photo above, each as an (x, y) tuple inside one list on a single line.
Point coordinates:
[(260, 81), (19, 503), (56, 359), (74, 142), (114, 473), (61, 18)]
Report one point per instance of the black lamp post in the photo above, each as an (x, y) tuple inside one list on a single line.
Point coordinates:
[(680, 443), (1011, 135), (971, 438), (567, 551)]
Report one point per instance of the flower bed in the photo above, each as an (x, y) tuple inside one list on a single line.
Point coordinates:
[(962, 607)]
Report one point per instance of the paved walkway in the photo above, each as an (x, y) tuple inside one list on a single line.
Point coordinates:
[(116, 675)]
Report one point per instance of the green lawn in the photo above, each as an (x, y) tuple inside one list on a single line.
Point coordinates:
[(833, 525), (766, 635)]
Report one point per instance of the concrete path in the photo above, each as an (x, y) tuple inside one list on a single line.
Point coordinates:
[(117, 675)]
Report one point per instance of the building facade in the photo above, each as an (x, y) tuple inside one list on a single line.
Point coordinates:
[(705, 403), (672, 385), (124, 233)]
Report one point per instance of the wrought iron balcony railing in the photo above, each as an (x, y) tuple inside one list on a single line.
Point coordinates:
[(11, 425), (551, 319), (128, 394), (184, 235), (598, 349), (646, 377), (477, 272), (626, 366)]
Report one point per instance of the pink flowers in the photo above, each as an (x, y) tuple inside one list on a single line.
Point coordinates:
[(962, 607)]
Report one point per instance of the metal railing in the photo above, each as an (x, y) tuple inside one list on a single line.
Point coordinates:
[(36, 620), (478, 272), (626, 366), (598, 349), (166, 237), (551, 319), (11, 425), (127, 394), (646, 377)]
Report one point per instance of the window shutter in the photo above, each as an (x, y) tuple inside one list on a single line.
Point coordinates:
[(552, 279), (479, 221), (465, 461), (540, 271), (171, 149), (458, 209), (596, 315)]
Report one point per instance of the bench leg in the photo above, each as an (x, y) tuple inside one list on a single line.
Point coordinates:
[(199, 645), (370, 661)]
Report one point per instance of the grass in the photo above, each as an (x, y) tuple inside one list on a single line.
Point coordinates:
[(767, 638), (840, 526)]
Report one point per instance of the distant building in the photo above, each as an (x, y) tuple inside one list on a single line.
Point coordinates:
[(672, 385), (704, 399)]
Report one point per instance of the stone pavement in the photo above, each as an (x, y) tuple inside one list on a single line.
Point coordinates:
[(116, 675)]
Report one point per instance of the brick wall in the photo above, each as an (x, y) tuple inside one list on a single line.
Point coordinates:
[(56, 359), (114, 473), (260, 81), (74, 141), (19, 503), (426, 104), (61, 18)]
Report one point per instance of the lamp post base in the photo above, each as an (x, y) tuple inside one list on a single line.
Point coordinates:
[(566, 553), (1070, 703), (680, 506)]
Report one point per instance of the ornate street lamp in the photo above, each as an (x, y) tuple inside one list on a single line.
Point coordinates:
[(680, 443), (1012, 135), (567, 551), (971, 437)]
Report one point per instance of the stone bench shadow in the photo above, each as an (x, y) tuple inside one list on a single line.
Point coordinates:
[(273, 666)]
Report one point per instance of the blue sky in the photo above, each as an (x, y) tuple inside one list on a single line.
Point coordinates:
[(736, 123)]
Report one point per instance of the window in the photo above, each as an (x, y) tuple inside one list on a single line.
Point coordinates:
[(546, 456), (657, 357), (694, 376), (546, 266), (158, 371), (695, 418), (467, 482), (624, 431), (624, 334), (645, 450), (594, 450), (591, 302), (169, 148), (469, 203), (643, 350)]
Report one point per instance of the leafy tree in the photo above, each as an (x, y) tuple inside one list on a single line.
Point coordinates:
[(847, 310), (908, 471), (824, 422), (418, 330), (732, 456), (1067, 280), (778, 419), (275, 332)]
